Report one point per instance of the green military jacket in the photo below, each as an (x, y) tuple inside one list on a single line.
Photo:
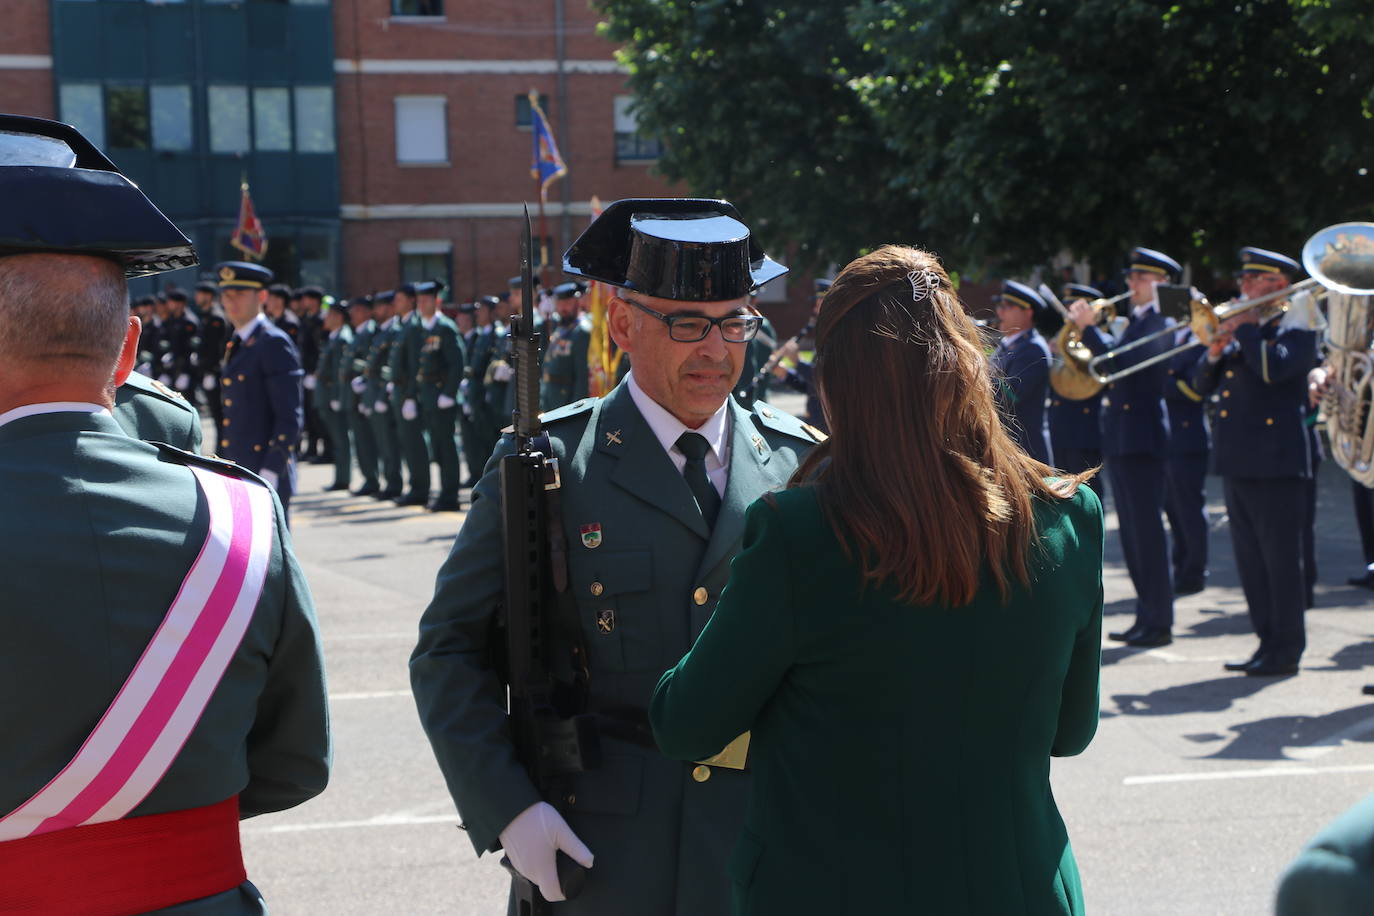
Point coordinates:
[(353, 364), (404, 360), (849, 693), (479, 357), (378, 367), (98, 533), (328, 374), (1334, 874), (149, 410), (645, 573), (441, 361), (565, 364)]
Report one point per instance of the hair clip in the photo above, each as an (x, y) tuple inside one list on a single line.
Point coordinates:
[(923, 281)]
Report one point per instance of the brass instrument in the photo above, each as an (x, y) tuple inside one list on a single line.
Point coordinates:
[(1069, 376), (1341, 257)]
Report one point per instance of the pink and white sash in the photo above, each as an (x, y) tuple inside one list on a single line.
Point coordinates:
[(163, 698)]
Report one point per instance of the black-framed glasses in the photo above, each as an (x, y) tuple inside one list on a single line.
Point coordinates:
[(691, 328)]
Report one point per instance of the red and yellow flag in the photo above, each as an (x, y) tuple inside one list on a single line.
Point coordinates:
[(249, 236)]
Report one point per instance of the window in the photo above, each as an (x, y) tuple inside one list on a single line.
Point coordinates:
[(272, 120), (126, 117), (421, 129), (427, 259), (524, 116), (82, 108), (417, 7), (314, 119), (630, 144), (228, 119), (171, 118)]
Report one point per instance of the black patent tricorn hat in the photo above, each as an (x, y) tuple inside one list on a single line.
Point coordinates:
[(62, 194), (694, 250)]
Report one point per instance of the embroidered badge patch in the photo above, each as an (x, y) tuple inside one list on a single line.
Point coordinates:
[(605, 620), (591, 536)]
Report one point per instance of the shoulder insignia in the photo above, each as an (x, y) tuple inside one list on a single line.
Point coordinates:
[(780, 421), (567, 411), (221, 465), (169, 392)]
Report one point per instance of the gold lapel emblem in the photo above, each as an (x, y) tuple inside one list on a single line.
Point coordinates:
[(758, 443), (613, 437), (226, 273), (605, 620)]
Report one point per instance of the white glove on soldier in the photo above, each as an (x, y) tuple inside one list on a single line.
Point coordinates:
[(271, 478), (408, 409), (335, 406), (379, 406), (183, 382), (532, 842), (358, 384), (208, 383), (310, 383), (503, 372), (445, 402)]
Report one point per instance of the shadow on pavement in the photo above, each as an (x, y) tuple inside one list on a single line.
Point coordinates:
[(1203, 696), (1351, 658), (1269, 739)]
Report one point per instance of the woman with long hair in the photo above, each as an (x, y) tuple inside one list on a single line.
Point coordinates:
[(912, 630)]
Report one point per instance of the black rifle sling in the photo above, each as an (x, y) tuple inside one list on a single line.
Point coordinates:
[(571, 639)]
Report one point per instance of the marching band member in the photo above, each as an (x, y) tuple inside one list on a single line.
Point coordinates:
[(1075, 431), (1022, 360)]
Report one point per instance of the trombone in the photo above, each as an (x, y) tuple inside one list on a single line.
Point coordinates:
[(1326, 257)]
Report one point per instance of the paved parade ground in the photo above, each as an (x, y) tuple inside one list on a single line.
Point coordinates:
[(1199, 787)]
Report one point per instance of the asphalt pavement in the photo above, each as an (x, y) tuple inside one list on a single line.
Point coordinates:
[(1199, 787)]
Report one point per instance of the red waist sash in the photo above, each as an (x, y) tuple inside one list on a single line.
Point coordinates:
[(124, 867)]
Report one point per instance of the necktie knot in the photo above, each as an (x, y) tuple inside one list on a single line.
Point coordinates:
[(693, 445)]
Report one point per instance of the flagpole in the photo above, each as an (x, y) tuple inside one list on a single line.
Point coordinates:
[(543, 240)]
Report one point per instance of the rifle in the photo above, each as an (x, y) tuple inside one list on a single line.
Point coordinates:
[(545, 661), (767, 368)]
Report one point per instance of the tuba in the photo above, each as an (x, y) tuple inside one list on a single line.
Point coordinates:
[(1341, 258)]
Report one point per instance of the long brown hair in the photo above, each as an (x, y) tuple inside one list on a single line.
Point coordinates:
[(919, 479)]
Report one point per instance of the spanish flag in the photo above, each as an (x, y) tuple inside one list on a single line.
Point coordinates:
[(249, 236)]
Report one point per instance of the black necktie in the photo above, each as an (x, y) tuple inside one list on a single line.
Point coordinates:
[(695, 447)]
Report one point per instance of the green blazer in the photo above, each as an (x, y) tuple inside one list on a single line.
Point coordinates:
[(353, 364), (1334, 874), (643, 586), (149, 410), (901, 754), (441, 359), (98, 532), (333, 352)]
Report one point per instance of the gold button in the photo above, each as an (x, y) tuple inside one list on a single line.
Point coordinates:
[(1086, 410), (224, 443), (1230, 374), (257, 448), (1223, 413), (226, 382), (701, 596), (701, 772), (1269, 421), (572, 800), (597, 589), (240, 378), (1226, 393), (1185, 424), (228, 402), (1125, 406)]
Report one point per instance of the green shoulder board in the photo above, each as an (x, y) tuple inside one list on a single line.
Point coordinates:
[(768, 417)]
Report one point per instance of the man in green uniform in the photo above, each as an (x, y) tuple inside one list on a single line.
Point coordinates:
[(565, 350), (404, 363), (377, 373), (352, 385), (486, 425), (329, 392), (438, 374), (98, 539), (655, 480), (470, 439)]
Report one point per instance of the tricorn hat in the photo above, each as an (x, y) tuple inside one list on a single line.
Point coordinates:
[(62, 194), (693, 250)]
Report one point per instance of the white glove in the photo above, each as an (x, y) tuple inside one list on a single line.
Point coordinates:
[(270, 477), (503, 372), (208, 383), (310, 383), (335, 406), (165, 379), (365, 410), (445, 402), (408, 409), (532, 842), (183, 382), (390, 387), (380, 407), (358, 384)]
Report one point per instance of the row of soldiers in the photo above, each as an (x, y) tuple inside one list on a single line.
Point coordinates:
[(1237, 407)]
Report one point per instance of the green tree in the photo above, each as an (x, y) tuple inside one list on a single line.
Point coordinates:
[(999, 133)]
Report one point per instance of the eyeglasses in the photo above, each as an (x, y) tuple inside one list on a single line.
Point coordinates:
[(691, 328)]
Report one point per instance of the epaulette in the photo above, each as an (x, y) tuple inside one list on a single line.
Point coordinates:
[(567, 411), (783, 422), (170, 394), (219, 465)]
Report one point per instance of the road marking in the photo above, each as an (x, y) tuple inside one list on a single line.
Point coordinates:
[(370, 695), (1256, 773), (384, 820)]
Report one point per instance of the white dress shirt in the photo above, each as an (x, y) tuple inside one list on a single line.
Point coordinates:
[(33, 410), (667, 428)]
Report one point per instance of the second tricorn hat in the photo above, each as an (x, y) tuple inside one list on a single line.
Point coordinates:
[(693, 250)]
